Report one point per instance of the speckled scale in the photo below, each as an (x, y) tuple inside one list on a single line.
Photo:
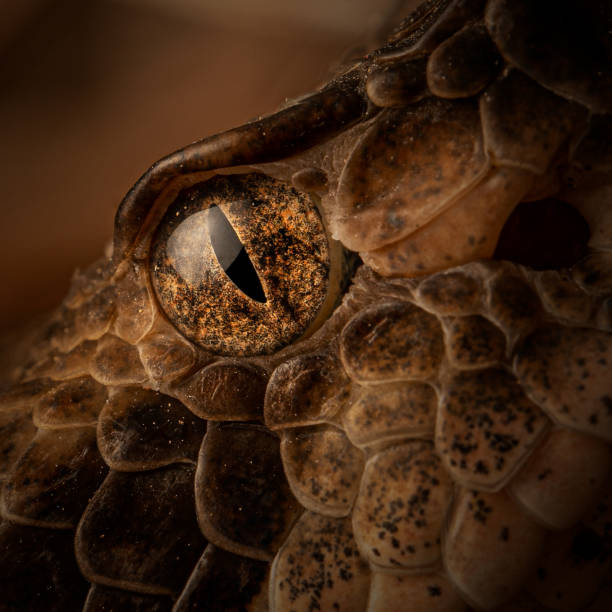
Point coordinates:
[(574, 566), (566, 371), (425, 592), (319, 567), (451, 293), (490, 547), (391, 341), (564, 298), (513, 304), (389, 412), (323, 469), (465, 231), (401, 506), (473, 342), (563, 478), (486, 427), (384, 195)]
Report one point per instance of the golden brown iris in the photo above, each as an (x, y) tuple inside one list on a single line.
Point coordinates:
[(240, 263)]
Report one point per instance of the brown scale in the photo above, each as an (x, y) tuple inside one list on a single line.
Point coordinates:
[(464, 64), (140, 430), (53, 481), (323, 468), (269, 422)]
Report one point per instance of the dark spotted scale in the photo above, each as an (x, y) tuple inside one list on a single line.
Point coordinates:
[(378, 395)]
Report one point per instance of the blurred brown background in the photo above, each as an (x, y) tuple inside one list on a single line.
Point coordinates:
[(91, 93)]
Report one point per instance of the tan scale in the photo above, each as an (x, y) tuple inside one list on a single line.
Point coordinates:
[(387, 388), (390, 592)]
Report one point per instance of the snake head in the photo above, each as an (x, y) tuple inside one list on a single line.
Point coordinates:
[(350, 354)]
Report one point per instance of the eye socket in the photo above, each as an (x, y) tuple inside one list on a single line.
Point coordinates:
[(241, 264)]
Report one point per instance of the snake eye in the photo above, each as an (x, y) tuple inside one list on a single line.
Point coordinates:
[(241, 264)]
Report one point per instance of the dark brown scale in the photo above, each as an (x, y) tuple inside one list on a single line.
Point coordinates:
[(464, 64), (565, 45), (143, 430), (226, 390), (140, 532), (306, 390), (32, 559), (525, 124), (16, 432), (103, 599), (593, 273), (430, 24), (223, 581), (397, 84), (54, 479), (243, 501)]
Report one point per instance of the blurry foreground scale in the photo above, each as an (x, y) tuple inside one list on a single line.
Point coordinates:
[(355, 355)]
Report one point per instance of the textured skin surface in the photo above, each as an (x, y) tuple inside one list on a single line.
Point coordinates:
[(439, 438)]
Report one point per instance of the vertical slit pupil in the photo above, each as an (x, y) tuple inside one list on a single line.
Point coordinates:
[(232, 255)]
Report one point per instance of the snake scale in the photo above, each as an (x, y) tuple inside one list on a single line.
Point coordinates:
[(354, 355)]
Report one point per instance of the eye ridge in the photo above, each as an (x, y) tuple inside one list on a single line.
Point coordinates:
[(232, 256)]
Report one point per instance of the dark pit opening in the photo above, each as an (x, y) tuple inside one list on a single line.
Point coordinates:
[(544, 235), (232, 255)]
